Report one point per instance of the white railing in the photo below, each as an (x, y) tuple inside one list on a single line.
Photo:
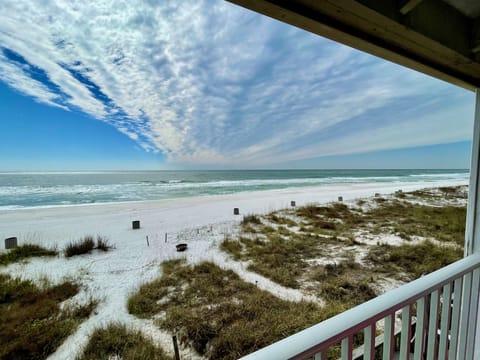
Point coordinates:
[(435, 317)]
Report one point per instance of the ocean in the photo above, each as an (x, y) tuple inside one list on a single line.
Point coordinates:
[(18, 190)]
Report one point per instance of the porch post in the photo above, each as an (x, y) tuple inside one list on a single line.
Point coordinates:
[(472, 230)]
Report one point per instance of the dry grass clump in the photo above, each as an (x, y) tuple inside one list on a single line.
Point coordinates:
[(217, 313), (283, 255), (251, 219), (232, 247), (278, 258), (86, 245), (117, 342), (25, 251), (103, 244), (445, 223), (346, 282), (80, 247), (335, 219), (32, 325), (280, 220), (414, 260)]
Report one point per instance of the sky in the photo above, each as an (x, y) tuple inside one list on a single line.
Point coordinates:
[(207, 84)]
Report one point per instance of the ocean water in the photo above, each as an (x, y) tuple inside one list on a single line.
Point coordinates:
[(19, 190)]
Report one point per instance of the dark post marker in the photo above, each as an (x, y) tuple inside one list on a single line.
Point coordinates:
[(175, 347)]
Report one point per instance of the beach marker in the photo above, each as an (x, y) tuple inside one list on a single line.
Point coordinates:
[(340, 198), (236, 211), (166, 237), (11, 243), (136, 224), (292, 203), (175, 347), (148, 244)]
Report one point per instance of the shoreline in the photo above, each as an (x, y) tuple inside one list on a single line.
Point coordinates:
[(297, 189), (65, 223)]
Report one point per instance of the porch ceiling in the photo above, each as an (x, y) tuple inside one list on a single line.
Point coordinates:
[(437, 37)]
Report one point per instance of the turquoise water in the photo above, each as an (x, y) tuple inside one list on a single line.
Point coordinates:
[(48, 189)]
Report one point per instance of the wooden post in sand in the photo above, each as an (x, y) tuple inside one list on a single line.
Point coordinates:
[(136, 224), (175, 347), (340, 198), (166, 237), (148, 244), (236, 211), (292, 203)]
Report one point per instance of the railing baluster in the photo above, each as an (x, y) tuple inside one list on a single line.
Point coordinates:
[(444, 322), (406, 333), (464, 316), (420, 330), (388, 340), (369, 343), (473, 314), (347, 347), (454, 327), (432, 326)]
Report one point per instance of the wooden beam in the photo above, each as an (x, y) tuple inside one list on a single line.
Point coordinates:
[(409, 6)]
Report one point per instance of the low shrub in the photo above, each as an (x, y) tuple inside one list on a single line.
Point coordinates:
[(32, 324), (117, 342), (251, 219), (232, 247), (80, 247), (219, 314), (412, 259), (23, 252), (103, 244)]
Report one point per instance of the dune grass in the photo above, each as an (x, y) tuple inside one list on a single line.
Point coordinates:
[(80, 247), (103, 244), (23, 252), (86, 245), (115, 341), (32, 325), (274, 251), (281, 258), (446, 224), (410, 261), (218, 314)]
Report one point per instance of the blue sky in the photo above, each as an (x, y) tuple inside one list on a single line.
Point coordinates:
[(207, 84)]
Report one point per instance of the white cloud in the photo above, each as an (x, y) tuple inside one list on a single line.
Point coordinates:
[(206, 82)]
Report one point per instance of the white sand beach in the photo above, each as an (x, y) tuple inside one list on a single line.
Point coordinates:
[(201, 222)]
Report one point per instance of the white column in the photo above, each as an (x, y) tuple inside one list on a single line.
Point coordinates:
[(472, 231)]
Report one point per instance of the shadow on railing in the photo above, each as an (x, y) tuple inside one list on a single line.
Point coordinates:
[(434, 317)]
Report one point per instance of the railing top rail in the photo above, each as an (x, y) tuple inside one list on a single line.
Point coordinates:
[(311, 340)]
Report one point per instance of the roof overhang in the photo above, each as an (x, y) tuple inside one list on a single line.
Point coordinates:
[(440, 38)]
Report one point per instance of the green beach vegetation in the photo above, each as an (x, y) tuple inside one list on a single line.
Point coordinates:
[(285, 246), (116, 341), (24, 252), (218, 314), (32, 322), (86, 245)]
